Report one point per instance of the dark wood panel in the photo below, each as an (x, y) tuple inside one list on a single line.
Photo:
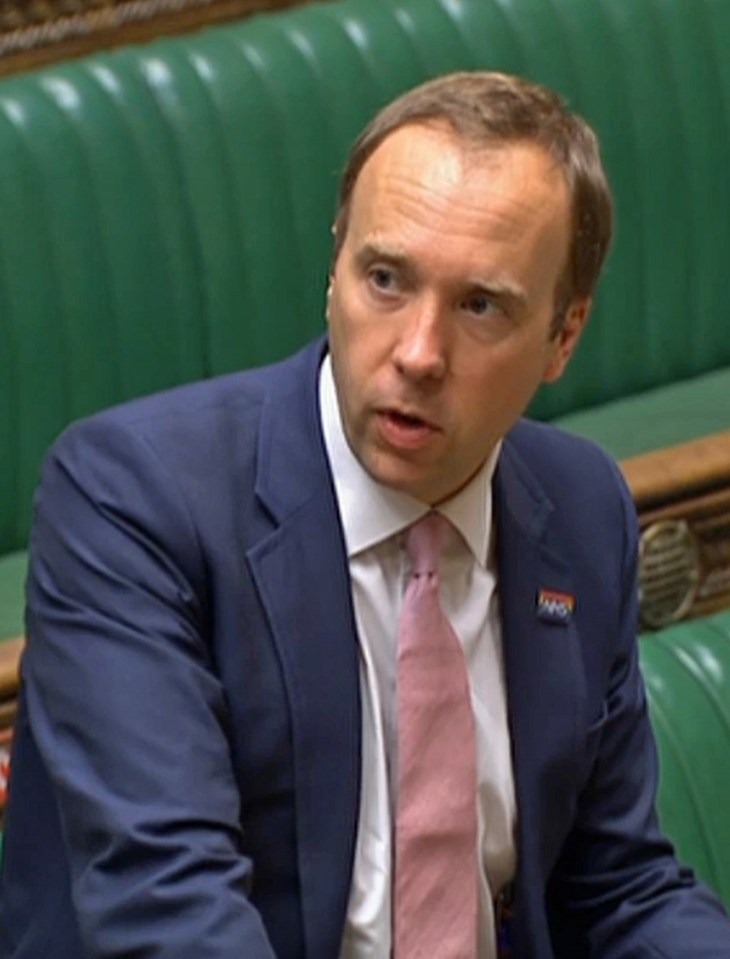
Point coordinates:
[(10, 650), (682, 495), (7, 714), (38, 32)]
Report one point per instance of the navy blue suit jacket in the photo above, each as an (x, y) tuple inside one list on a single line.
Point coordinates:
[(186, 774)]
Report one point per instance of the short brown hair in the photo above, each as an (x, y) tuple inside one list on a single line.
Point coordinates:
[(490, 109)]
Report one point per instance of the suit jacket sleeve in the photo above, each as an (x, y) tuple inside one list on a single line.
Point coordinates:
[(128, 713), (618, 888)]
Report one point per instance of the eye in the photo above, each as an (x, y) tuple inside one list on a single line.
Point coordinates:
[(479, 304), (383, 279)]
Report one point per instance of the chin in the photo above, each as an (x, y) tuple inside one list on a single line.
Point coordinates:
[(395, 477), (416, 490)]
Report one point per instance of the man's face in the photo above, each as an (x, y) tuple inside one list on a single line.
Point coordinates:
[(441, 303)]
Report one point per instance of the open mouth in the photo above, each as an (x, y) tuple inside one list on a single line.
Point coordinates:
[(406, 420), (406, 430)]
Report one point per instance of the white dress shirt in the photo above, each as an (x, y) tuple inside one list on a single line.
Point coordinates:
[(373, 518)]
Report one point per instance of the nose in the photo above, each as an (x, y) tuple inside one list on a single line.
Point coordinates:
[(421, 350)]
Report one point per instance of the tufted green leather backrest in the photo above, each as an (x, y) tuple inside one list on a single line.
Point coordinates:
[(687, 674), (165, 210)]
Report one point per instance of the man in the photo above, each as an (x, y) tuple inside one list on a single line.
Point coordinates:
[(210, 746)]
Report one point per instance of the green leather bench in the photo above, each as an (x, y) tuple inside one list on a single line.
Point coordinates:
[(687, 673), (167, 209)]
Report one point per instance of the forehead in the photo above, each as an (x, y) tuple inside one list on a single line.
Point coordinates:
[(428, 191), (434, 161)]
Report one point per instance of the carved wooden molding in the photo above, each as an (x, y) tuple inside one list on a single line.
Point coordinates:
[(682, 495), (36, 32)]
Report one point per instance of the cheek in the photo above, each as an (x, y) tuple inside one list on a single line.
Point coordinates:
[(342, 335), (351, 361), (345, 319), (361, 345), (499, 388)]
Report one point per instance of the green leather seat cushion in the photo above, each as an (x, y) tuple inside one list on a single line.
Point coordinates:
[(661, 417), (12, 583), (687, 673)]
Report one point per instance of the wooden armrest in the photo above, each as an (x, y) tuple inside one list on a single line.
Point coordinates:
[(671, 474), (10, 650)]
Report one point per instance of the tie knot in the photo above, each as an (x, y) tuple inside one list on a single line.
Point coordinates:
[(424, 541)]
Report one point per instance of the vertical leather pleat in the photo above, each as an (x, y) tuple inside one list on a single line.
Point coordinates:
[(687, 673)]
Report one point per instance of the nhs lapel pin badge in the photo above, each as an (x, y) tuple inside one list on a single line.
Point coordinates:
[(555, 607)]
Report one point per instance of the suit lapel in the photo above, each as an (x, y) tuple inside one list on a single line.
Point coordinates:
[(302, 576), (545, 684)]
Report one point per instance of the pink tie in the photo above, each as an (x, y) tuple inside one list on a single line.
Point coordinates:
[(436, 878)]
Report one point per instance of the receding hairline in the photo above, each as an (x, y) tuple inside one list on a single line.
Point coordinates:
[(470, 147), (490, 110), (472, 143), (474, 155)]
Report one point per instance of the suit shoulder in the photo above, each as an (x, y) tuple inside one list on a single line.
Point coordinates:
[(574, 472), (195, 415), (542, 445)]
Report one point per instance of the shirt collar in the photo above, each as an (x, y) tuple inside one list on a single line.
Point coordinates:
[(390, 511)]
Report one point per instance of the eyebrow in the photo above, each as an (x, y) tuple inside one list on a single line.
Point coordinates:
[(505, 293), (370, 252)]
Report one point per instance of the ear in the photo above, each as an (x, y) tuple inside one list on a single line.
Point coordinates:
[(563, 345), (330, 281)]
